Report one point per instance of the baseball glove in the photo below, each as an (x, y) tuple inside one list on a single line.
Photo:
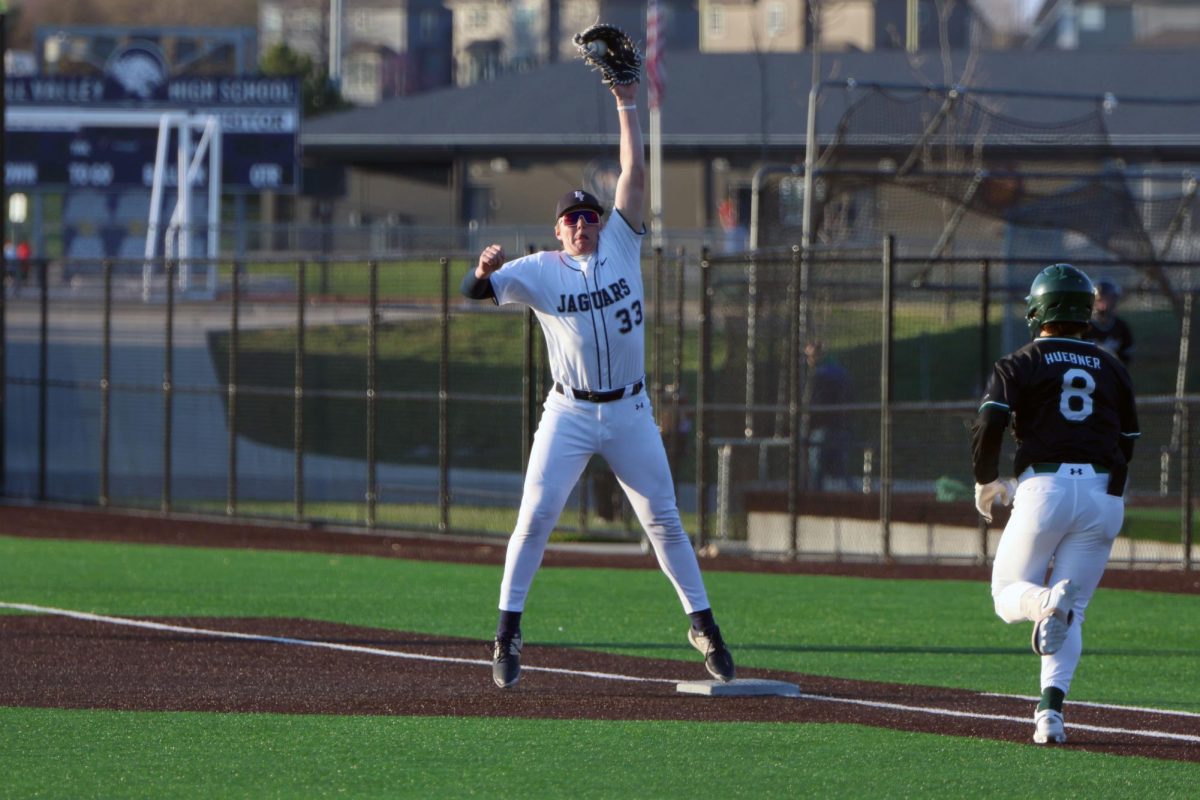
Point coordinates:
[(609, 50)]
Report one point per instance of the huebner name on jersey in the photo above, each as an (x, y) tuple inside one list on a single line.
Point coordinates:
[(1057, 357), (586, 301)]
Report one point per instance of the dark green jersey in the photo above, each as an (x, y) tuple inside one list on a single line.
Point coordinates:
[(1069, 400)]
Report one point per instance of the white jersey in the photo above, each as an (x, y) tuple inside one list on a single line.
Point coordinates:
[(592, 313)]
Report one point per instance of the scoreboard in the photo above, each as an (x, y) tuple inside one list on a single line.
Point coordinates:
[(60, 134)]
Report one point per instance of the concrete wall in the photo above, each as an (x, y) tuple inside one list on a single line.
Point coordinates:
[(859, 540)]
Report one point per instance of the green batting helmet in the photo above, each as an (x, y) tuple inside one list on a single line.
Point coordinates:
[(1059, 293)]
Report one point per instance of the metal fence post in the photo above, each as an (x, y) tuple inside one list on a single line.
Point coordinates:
[(444, 405), (798, 289), (298, 396), (231, 389), (168, 387), (1185, 435), (985, 299), (751, 345), (43, 376), (529, 384), (885, 397), (702, 403), (677, 364), (1185, 479), (372, 495), (657, 368), (106, 385), (724, 487), (3, 275)]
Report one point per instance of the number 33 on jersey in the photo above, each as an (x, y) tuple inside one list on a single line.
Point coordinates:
[(591, 308)]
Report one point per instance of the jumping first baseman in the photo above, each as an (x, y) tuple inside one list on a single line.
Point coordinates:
[(589, 300), (1074, 422)]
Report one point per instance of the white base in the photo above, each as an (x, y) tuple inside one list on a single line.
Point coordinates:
[(739, 688)]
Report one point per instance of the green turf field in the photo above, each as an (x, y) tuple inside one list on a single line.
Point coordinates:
[(113, 754), (936, 633)]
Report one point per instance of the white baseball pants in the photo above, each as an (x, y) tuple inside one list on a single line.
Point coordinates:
[(623, 432), (1072, 520)]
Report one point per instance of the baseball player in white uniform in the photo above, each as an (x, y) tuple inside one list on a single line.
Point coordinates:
[(1075, 422), (589, 299)]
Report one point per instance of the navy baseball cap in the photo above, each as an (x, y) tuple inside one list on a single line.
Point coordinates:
[(577, 198)]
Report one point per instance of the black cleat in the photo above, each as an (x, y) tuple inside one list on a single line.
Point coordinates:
[(506, 661), (717, 658)]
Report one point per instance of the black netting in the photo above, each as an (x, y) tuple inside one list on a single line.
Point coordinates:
[(938, 116), (960, 174)]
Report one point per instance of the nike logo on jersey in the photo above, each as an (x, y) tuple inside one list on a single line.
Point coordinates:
[(586, 301)]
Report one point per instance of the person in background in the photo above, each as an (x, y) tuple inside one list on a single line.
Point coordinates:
[(828, 435), (23, 252), (1106, 328)]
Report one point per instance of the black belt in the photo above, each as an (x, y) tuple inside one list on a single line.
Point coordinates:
[(598, 397), (1046, 467)]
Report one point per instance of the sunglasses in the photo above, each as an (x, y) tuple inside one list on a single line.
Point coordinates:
[(588, 216)]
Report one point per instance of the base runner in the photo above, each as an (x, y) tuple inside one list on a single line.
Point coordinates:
[(1074, 421)]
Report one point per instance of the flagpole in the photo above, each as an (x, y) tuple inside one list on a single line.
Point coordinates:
[(654, 72), (656, 227)]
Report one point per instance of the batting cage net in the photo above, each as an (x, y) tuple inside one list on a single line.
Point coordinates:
[(975, 191), (956, 172)]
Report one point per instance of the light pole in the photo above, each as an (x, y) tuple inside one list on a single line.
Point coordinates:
[(335, 43)]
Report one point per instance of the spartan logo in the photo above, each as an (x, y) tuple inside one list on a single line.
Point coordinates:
[(139, 67)]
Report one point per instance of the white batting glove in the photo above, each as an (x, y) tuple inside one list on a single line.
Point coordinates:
[(986, 493)]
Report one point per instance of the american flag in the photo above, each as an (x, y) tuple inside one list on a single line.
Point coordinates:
[(655, 72)]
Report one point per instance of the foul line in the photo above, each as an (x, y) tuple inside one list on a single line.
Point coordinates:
[(352, 648), (946, 712), (348, 648), (1144, 709)]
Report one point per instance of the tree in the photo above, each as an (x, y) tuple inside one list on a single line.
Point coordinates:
[(317, 92)]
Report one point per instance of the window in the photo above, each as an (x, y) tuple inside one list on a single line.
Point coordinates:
[(1091, 17), (776, 18), (307, 20), (362, 21), (477, 18), (272, 19), (716, 21)]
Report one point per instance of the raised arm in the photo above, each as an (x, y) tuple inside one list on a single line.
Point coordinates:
[(631, 185), (477, 283)]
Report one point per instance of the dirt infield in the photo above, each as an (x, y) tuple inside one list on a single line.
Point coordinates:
[(58, 661)]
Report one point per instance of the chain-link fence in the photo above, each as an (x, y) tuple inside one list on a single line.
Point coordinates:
[(814, 407), (320, 390), (837, 421)]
